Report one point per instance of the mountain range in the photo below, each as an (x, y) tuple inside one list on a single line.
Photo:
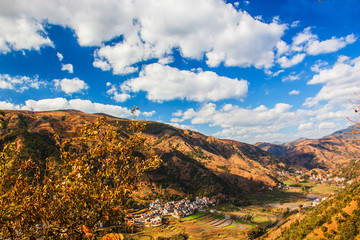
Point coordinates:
[(328, 153), (192, 164)]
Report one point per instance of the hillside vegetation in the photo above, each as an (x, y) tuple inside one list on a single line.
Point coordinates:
[(336, 218)]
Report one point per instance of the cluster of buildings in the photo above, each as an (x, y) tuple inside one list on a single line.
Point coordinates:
[(292, 173), (335, 181), (176, 209), (151, 219), (183, 207), (318, 200)]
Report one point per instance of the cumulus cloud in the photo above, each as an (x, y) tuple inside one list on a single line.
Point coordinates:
[(70, 86), (307, 43), (122, 56), (265, 124), (316, 47), (163, 83), (103, 65), (20, 83), (282, 47), (115, 94), (302, 38), (232, 117), (286, 62), (149, 30), (21, 33), (9, 106), (67, 67), (340, 82), (62, 103), (166, 60), (149, 114)]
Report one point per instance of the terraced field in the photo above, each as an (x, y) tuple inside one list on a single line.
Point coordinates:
[(214, 221), (226, 224)]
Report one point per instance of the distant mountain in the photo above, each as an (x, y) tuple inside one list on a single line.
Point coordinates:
[(346, 133), (193, 164), (330, 152)]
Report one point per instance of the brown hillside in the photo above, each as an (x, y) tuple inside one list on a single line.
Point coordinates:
[(192, 162)]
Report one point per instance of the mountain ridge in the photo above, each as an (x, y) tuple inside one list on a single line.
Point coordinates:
[(329, 152)]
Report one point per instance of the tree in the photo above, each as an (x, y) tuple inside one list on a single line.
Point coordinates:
[(91, 186)]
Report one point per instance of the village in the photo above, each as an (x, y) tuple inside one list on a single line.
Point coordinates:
[(177, 209), (328, 179)]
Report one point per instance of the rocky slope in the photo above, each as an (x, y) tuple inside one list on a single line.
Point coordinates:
[(193, 164)]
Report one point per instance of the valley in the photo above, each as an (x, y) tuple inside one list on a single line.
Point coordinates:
[(258, 189), (266, 209)]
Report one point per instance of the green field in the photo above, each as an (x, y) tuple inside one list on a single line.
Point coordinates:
[(239, 221), (194, 216), (268, 196), (323, 190)]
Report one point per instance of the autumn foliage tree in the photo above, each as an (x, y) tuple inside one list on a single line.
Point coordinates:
[(90, 187)]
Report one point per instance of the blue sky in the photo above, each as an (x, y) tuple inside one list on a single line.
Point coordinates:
[(251, 71)]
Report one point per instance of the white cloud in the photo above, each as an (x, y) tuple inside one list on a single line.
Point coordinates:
[(327, 125), (307, 43), (70, 86), (184, 126), (51, 104), (294, 24), (163, 83), (277, 73), (67, 67), (306, 126), (149, 114), (20, 83), (60, 56), (294, 92), (8, 106), (317, 67), (292, 77), (302, 39), (231, 117), (286, 62), (21, 33), (166, 60), (340, 82), (281, 47), (103, 65), (123, 55), (316, 47), (150, 30), (115, 94), (264, 124)]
